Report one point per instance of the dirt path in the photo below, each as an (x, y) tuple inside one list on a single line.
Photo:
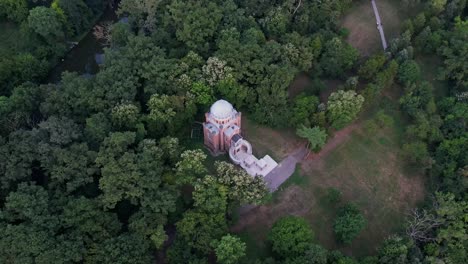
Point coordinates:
[(379, 24), (337, 139), (287, 166), (284, 170)]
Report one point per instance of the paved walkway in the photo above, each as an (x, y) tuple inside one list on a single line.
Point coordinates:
[(379, 25), (284, 169)]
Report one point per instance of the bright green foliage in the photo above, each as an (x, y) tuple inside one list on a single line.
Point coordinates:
[(290, 237), (125, 115), (383, 119), (215, 71), (209, 196), (171, 112), (229, 250), (437, 6), (190, 166), (451, 237), (343, 107), (348, 223), (159, 237), (304, 108), (161, 108), (243, 188), (203, 93), (315, 136), (409, 72), (232, 91), (416, 152), (372, 66)]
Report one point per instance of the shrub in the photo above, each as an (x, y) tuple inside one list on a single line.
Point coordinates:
[(348, 223), (290, 237)]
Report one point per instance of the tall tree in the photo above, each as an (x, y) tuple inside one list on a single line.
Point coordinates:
[(229, 250), (348, 223), (315, 136), (343, 107), (290, 237)]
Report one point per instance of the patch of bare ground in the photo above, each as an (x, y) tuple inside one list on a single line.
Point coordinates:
[(265, 140), (367, 170), (292, 201), (362, 26)]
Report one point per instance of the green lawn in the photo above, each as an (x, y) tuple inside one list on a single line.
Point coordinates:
[(360, 20), (368, 169)]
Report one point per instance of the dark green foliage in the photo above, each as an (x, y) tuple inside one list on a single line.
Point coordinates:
[(333, 195), (409, 72), (456, 57), (290, 237), (338, 57), (75, 13), (394, 250), (14, 10), (125, 248), (46, 23), (348, 223), (195, 22), (89, 175)]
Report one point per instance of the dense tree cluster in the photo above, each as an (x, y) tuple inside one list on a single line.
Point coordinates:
[(44, 28), (95, 169)]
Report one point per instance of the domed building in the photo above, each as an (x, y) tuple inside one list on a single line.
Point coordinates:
[(222, 134), (222, 123)]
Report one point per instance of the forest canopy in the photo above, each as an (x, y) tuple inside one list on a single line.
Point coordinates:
[(98, 169)]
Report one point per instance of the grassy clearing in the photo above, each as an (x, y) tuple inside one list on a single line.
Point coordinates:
[(361, 23), (267, 141), (368, 170)]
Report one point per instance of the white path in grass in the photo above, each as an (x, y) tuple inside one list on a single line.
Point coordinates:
[(379, 24)]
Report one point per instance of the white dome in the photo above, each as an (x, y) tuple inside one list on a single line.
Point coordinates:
[(222, 109)]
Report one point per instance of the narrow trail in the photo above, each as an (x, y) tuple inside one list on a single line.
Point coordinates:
[(379, 24), (288, 165)]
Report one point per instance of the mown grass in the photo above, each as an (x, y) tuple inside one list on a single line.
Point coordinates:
[(368, 170), (360, 20)]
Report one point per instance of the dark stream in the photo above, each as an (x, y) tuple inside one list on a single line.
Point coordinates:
[(82, 57)]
